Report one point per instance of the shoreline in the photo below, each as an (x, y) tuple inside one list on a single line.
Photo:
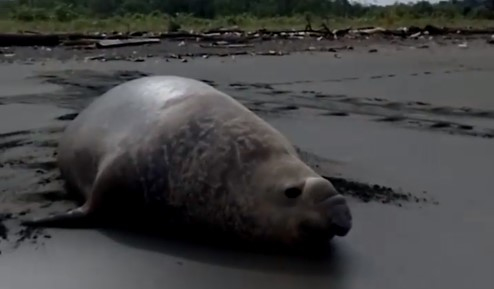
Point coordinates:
[(186, 50), (231, 42)]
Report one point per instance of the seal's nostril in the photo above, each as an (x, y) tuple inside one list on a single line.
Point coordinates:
[(317, 190), (293, 193)]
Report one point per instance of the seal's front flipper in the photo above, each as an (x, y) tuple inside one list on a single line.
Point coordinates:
[(76, 218)]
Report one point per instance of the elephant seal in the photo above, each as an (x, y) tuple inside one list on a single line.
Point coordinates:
[(196, 157)]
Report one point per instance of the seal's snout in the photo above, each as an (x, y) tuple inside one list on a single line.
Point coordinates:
[(340, 218), (336, 218)]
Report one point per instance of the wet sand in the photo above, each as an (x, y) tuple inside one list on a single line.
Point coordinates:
[(420, 121)]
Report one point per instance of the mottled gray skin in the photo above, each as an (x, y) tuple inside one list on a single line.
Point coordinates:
[(182, 147)]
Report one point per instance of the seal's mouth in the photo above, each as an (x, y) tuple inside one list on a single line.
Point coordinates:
[(311, 232)]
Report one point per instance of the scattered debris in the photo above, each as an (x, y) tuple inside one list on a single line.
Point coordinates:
[(288, 107), (224, 36), (28, 234), (441, 124)]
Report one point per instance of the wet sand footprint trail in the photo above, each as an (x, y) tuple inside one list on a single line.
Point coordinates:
[(30, 159), (406, 114), (27, 169), (270, 86), (79, 87), (345, 106)]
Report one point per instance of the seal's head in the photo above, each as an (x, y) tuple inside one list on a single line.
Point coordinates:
[(292, 204)]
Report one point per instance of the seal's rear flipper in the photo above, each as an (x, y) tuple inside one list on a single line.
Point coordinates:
[(76, 218), (84, 216)]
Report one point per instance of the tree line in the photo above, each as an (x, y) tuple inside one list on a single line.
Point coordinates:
[(69, 9)]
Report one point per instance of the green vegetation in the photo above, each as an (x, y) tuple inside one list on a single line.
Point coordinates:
[(162, 15)]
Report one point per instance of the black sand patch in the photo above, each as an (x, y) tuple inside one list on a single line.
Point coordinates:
[(16, 133), (362, 191), (441, 124), (210, 82), (374, 192), (337, 113), (288, 107), (393, 118), (3, 229), (11, 144), (70, 116)]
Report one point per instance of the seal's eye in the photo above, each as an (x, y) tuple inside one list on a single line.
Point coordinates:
[(292, 193)]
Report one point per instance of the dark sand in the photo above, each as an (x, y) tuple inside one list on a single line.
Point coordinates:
[(420, 121)]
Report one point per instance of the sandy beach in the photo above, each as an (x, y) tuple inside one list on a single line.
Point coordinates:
[(405, 130)]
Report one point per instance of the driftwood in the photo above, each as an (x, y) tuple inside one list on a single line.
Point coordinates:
[(228, 35), (225, 30), (79, 36), (112, 43), (225, 44)]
